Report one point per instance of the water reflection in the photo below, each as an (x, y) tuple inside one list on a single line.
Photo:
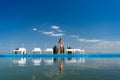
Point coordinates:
[(57, 63), (33, 77), (75, 60), (60, 66), (80, 60), (19, 61), (48, 61), (36, 62), (61, 69)]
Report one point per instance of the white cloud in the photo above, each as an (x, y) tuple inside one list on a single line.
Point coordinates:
[(59, 30), (34, 29), (89, 40), (47, 33), (55, 27), (50, 33), (56, 35), (56, 32)]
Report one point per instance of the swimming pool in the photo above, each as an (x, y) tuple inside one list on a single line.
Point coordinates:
[(89, 67), (60, 55)]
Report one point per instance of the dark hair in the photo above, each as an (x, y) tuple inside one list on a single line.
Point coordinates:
[(60, 40)]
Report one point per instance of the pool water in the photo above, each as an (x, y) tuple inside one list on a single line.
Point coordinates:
[(59, 68)]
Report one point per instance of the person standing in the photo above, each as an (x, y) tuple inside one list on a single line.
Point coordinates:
[(61, 45)]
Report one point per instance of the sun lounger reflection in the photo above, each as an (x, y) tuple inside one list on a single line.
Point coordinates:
[(36, 62), (20, 62), (48, 61), (75, 60)]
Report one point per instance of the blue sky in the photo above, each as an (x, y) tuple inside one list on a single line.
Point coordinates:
[(80, 22)]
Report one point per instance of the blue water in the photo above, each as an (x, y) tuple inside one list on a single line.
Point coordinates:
[(50, 68), (60, 55)]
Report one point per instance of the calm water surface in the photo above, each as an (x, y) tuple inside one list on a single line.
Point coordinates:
[(60, 69)]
